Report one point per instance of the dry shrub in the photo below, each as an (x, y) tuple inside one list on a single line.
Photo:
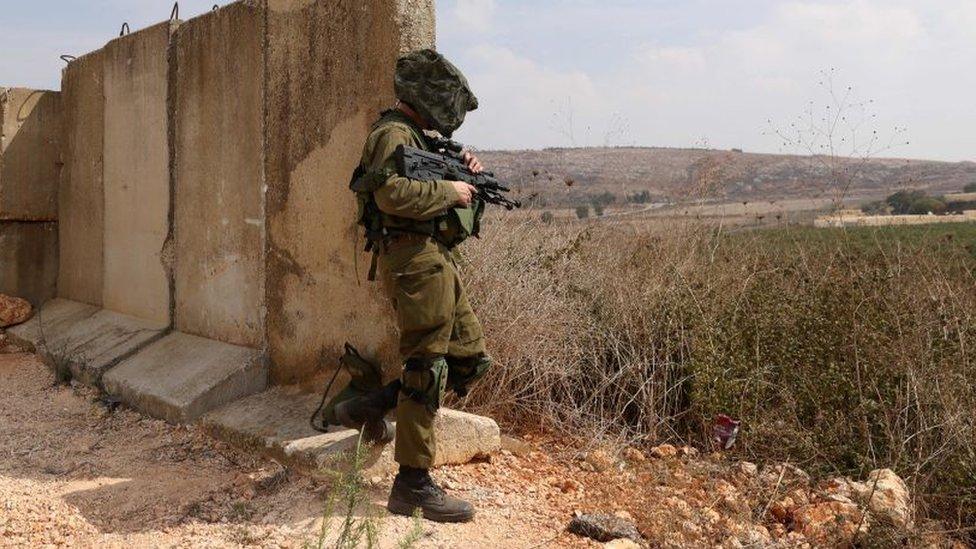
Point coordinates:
[(843, 350)]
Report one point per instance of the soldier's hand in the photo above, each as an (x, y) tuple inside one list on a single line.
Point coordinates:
[(472, 161), (465, 192)]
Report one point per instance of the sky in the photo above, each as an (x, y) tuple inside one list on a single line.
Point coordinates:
[(641, 72)]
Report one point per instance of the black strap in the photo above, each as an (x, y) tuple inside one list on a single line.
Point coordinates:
[(322, 428), (372, 265)]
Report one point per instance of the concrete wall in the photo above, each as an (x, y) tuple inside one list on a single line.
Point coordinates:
[(330, 74), (28, 260), (416, 24), (226, 159), (80, 198), (30, 150), (218, 200), (136, 174)]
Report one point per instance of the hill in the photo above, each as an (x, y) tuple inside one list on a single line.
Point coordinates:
[(568, 176)]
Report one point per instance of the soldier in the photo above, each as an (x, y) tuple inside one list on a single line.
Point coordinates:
[(414, 226)]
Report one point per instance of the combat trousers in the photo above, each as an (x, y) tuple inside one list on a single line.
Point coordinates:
[(439, 336)]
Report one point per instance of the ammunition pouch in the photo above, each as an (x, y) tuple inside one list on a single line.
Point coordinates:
[(424, 381), (460, 224), (465, 371)]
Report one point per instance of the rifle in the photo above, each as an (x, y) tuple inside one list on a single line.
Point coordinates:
[(447, 163)]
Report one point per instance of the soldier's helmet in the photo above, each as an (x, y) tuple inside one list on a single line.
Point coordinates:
[(435, 88)]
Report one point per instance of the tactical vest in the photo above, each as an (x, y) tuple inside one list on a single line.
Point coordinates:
[(450, 229)]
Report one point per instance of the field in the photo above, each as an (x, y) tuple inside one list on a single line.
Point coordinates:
[(841, 350), (565, 178)]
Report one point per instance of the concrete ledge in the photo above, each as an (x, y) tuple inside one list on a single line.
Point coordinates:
[(180, 377), (83, 338), (275, 423)]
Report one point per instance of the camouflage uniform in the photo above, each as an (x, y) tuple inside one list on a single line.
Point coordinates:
[(441, 339), (413, 225)]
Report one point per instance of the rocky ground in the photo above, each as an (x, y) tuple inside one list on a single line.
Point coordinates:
[(76, 472)]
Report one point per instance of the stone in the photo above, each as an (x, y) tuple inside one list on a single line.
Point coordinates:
[(835, 523), (664, 451), (30, 150), (600, 460), (181, 377), (82, 340), (275, 423), (633, 455), (748, 469), (81, 198), (29, 260), (887, 496), (604, 527), (13, 310), (218, 175), (136, 179), (884, 493)]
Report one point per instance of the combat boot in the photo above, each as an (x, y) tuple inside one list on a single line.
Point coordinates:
[(414, 489), (368, 413)]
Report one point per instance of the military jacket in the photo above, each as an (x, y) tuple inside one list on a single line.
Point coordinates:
[(404, 203)]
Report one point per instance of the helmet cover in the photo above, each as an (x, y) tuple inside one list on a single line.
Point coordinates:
[(435, 88)]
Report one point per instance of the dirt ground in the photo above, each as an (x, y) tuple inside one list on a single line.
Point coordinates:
[(75, 473)]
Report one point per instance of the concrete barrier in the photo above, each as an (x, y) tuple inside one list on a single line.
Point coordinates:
[(83, 339), (29, 260), (81, 202), (275, 424), (30, 165), (180, 377), (30, 150), (227, 144), (219, 182), (415, 24), (320, 105), (136, 174)]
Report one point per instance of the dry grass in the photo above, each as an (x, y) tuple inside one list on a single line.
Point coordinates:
[(841, 350)]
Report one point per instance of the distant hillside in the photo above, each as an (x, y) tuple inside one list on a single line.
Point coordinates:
[(563, 177)]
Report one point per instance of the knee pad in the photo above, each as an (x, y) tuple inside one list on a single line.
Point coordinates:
[(466, 371), (424, 381)]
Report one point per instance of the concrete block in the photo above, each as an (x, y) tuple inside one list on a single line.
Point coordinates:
[(181, 376), (51, 322), (85, 339), (219, 185), (136, 174), (29, 260), (81, 202), (275, 423), (416, 22), (320, 106), (30, 154)]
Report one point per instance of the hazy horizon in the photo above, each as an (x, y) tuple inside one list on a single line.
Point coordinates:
[(646, 73)]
